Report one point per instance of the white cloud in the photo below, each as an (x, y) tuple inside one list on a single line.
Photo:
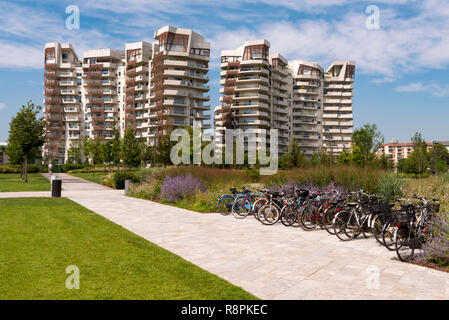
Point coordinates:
[(2, 105), (434, 89)]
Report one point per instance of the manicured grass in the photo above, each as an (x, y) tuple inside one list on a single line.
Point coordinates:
[(11, 182), (40, 237), (96, 177)]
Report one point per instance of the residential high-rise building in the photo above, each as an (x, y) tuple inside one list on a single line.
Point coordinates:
[(263, 91), (150, 87), (64, 112), (337, 106), (255, 92), (306, 111)]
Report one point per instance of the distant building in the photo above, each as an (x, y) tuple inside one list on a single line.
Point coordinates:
[(397, 150), (3, 156)]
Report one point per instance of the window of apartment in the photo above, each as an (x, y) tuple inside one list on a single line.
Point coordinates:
[(65, 56), (179, 101), (78, 82)]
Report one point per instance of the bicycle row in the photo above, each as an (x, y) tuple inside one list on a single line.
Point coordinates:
[(401, 226)]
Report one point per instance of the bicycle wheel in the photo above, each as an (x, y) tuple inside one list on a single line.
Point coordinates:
[(402, 236), (256, 207), (328, 217), (308, 217), (288, 215), (225, 205), (340, 221), (376, 228), (270, 213), (388, 236), (241, 208)]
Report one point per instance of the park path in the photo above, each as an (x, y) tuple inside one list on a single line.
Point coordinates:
[(272, 262)]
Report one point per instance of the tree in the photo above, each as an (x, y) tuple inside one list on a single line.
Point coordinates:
[(442, 157), (163, 149), (93, 149), (147, 154), (368, 140), (86, 148), (74, 154), (419, 154), (116, 147), (26, 136), (294, 152), (131, 149)]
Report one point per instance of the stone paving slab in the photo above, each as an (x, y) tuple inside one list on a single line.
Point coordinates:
[(272, 262)]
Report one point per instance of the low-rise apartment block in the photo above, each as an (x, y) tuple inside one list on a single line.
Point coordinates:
[(401, 150), (149, 87)]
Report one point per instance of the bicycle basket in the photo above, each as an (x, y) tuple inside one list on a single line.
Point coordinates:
[(415, 243), (434, 207), (303, 193), (380, 208)]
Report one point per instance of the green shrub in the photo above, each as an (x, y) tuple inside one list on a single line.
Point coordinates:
[(108, 180), (390, 186), (32, 168), (120, 177), (253, 174)]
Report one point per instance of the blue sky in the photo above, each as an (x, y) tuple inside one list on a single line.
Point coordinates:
[(402, 69)]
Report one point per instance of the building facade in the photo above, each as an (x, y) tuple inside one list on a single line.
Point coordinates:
[(301, 100), (396, 150), (150, 87)]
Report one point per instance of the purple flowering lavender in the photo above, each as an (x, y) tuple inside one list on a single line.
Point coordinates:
[(436, 249), (175, 188)]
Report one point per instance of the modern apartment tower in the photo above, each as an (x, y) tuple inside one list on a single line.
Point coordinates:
[(255, 92), (179, 80), (337, 106), (306, 111), (150, 87), (300, 99), (64, 112)]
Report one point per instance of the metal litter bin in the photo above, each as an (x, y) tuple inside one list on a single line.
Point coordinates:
[(56, 187)]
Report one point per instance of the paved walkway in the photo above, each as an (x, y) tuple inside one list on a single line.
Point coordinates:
[(272, 262)]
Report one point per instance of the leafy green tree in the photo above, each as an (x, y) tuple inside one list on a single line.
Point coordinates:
[(147, 154), (320, 158), (74, 153), (295, 154), (163, 149), (419, 154), (116, 146), (131, 149), (26, 136), (442, 157), (368, 140), (93, 149), (86, 148)]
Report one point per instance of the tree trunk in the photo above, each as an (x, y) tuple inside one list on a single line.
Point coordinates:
[(25, 169)]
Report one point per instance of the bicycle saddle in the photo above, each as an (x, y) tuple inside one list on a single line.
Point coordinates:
[(352, 204)]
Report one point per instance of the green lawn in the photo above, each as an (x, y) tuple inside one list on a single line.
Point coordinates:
[(40, 237), (11, 182), (96, 177)]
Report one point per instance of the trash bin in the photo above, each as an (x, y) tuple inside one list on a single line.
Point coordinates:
[(56, 186), (127, 183)]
